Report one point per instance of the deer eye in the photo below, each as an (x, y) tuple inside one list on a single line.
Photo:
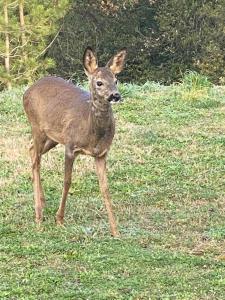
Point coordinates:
[(99, 83), (116, 81)]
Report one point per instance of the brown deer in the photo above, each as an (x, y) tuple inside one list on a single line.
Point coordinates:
[(62, 113)]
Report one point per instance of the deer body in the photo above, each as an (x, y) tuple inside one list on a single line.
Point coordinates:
[(65, 114), (62, 113)]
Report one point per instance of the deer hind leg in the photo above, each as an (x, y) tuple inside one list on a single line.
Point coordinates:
[(101, 172), (35, 153), (69, 159)]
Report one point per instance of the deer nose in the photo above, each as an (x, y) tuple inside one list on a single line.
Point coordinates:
[(114, 97)]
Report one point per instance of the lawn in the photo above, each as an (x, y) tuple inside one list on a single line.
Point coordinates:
[(167, 180)]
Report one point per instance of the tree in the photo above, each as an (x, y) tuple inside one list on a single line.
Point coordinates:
[(106, 26), (6, 78), (31, 23), (192, 35), (22, 29), (164, 38)]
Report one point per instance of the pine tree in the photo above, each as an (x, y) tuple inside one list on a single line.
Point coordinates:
[(26, 38), (5, 46)]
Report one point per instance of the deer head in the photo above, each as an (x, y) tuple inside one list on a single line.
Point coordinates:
[(103, 82)]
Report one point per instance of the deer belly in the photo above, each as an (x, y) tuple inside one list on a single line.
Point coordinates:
[(96, 151), (57, 137)]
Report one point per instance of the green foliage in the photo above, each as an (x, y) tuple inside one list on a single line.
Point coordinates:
[(106, 28), (134, 90), (28, 62), (194, 80), (192, 37), (164, 38), (194, 86)]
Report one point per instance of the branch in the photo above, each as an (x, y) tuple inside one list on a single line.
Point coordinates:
[(49, 45), (13, 4)]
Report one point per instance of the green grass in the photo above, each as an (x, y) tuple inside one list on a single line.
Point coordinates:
[(167, 180)]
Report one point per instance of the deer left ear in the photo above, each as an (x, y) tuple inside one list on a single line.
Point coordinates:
[(116, 63), (89, 61)]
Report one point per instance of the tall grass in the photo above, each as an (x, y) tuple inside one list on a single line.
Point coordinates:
[(195, 81)]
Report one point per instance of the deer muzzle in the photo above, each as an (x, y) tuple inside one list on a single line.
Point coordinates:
[(114, 97)]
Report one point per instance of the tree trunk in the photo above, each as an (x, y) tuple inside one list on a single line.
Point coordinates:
[(22, 28), (24, 40), (7, 49)]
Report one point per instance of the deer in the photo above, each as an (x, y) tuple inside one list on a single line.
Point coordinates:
[(60, 112)]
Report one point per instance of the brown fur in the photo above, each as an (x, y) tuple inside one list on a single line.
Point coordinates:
[(61, 113)]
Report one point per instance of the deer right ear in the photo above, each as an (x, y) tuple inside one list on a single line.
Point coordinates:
[(89, 61), (116, 63)]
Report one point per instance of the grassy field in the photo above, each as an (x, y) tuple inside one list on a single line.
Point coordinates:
[(167, 180)]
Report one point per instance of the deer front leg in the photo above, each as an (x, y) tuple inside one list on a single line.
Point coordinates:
[(101, 172), (69, 159), (38, 191)]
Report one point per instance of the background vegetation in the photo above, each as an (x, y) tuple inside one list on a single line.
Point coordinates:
[(165, 38)]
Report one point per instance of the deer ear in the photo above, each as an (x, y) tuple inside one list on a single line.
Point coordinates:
[(116, 63), (89, 61)]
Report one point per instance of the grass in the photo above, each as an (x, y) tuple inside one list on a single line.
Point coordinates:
[(166, 173)]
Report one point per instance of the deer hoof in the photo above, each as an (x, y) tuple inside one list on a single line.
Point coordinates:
[(115, 234), (39, 224), (59, 220)]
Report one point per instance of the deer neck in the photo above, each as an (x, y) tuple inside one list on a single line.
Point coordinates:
[(101, 115)]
